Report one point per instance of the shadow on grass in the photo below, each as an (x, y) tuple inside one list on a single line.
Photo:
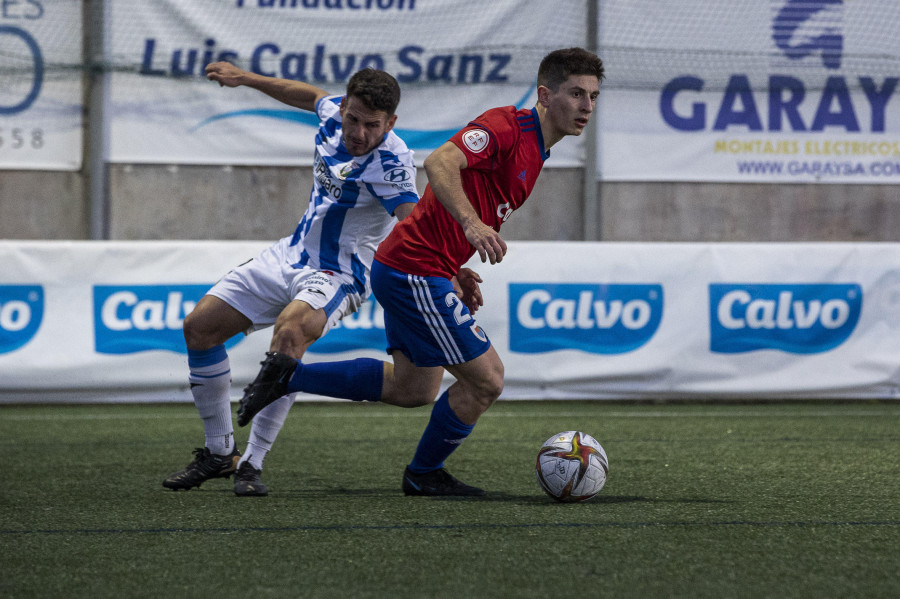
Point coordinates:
[(490, 497), (536, 499)]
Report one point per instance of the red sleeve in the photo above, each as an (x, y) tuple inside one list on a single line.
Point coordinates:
[(484, 139)]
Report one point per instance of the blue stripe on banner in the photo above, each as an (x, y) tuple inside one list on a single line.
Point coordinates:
[(414, 138), (305, 118), (420, 138)]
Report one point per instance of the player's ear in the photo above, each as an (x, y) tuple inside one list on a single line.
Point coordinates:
[(343, 105), (390, 123), (543, 95)]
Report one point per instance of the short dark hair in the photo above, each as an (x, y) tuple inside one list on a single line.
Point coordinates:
[(376, 89), (559, 65)]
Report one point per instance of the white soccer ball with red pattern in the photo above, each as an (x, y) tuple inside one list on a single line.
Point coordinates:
[(571, 466)]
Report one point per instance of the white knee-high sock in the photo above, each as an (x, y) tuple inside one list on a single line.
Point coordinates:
[(210, 378), (266, 426)]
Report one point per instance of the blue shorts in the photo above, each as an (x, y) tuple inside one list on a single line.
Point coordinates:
[(424, 318)]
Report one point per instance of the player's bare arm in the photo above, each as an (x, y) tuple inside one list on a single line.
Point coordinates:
[(293, 93), (443, 167), (404, 210)]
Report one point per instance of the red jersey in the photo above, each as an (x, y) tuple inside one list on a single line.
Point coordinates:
[(505, 152)]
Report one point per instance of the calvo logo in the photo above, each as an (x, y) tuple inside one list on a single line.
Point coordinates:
[(595, 318), (21, 314), (135, 318), (795, 318)]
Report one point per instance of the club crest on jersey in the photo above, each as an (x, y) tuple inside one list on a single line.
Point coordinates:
[(476, 139), (348, 169)]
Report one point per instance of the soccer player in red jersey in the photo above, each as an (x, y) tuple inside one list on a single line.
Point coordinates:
[(476, 180)]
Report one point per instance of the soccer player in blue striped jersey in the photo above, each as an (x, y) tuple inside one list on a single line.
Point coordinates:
[(303, 284)]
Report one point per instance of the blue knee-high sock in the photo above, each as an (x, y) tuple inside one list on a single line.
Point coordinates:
[(444, 433), (358, 380)]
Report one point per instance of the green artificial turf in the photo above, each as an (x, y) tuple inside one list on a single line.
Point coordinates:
[(703, 500)]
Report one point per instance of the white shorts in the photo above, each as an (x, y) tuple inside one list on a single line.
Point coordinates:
[(262, 287)]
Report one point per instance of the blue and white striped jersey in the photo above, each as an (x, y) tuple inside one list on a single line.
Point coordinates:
[(352, 200)]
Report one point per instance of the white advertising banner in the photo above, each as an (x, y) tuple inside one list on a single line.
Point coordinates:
[(767, 91), (101, 321), (40, 84), (453, 60)]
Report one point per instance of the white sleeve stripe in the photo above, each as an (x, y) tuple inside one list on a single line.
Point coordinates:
[(436, 325)]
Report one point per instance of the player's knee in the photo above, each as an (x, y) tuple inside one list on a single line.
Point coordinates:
[(477, 397), (496, 380), (487, 389), (494, 389), (196, 335)]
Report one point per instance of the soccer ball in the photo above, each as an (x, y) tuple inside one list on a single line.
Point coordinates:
[(571, 466)]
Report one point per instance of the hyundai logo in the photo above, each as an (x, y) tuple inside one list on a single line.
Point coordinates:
[(397, 175)]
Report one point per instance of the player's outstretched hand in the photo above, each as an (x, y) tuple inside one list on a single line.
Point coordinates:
[(486, 241), (466, 283), (225, 73)]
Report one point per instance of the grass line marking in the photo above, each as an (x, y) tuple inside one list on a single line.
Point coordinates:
[(417, 413), (402, 527)]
